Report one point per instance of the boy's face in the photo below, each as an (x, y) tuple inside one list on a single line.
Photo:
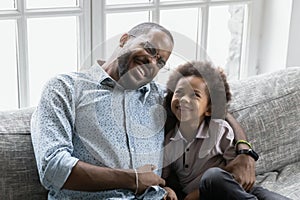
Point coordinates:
[(190, 102)]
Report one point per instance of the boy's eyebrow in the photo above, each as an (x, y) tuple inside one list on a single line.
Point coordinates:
[(178, 88), (197, 90)]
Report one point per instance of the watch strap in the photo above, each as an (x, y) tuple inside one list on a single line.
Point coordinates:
[(249, 152)]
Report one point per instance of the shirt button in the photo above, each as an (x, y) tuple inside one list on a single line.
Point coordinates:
[(186, 166), (187, 149), (132, 149)]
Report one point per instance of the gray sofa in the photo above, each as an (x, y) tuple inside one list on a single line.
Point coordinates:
[(267, 106)]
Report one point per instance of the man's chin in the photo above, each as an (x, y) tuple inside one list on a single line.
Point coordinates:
[(131, 84)]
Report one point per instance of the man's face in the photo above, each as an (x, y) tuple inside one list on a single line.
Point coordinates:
[(142, 57)]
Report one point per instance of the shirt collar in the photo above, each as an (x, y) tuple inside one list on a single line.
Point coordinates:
[(99, 74), (144, 90), (202, 131), (177, 135), (201, 134)]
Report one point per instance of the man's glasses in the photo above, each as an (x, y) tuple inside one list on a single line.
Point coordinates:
[(152, 51)]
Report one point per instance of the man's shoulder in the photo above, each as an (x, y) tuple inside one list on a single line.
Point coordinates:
[(63, 78), (76, 76)]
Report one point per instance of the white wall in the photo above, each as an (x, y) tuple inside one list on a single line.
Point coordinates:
[(293, 57), (275, 32)]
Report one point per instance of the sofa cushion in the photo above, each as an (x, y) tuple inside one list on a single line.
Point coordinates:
[(285, 182), (268, 108), (19, 176)]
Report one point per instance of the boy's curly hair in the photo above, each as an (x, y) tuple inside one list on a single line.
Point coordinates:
[(217, 88)]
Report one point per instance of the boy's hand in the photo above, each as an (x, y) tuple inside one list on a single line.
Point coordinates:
[(171, 195)]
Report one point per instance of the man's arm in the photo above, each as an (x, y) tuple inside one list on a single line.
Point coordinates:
[(239, 133), (243, 166), (87, 177), (52, 136)]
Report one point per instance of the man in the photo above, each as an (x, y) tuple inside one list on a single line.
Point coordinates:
[(99, 134)]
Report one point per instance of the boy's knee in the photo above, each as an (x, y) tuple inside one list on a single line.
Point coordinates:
[(212, 176), (214, 173)]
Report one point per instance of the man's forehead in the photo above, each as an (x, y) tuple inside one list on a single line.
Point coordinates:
[(157, 37)]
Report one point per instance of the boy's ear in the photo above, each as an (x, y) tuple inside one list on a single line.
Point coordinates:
[(208, 111)]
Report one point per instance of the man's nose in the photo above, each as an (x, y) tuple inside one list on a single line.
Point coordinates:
[(154, 59)]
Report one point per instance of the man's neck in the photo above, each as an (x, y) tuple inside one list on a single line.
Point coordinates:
[(111, 69)]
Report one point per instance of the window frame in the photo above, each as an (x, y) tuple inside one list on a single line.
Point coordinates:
[(250, 41), (21, 15)]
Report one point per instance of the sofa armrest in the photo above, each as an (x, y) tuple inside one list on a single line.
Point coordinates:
[(19, 176)]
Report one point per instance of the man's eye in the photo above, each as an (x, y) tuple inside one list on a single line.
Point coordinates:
[(161, 63), (150, 49)]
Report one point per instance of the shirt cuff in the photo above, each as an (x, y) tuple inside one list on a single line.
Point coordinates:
[(59, 169)]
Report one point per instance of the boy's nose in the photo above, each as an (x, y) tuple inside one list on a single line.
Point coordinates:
[(184, 99)]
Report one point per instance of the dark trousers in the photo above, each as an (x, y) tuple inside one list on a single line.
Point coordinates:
[(217, 184)]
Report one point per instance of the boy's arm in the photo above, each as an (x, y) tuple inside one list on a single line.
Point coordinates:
[(243, 166)]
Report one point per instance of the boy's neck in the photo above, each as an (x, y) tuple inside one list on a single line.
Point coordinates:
[(189, 130)]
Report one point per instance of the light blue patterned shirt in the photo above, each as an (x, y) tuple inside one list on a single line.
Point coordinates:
[(87, 116)]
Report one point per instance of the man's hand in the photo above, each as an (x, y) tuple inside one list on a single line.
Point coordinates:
[(193, 195), (243, 170), (147, 178), (171, 195)]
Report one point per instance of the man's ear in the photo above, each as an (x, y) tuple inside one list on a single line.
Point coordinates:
[(123, 39)]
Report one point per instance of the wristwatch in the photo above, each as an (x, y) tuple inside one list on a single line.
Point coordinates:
[(249, 152)]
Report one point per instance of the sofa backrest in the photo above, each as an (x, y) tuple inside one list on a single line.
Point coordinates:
[(19, 176), (268, 108)]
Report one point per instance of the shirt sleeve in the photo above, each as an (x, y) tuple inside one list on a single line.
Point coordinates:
[(166, 157), (227, 142), (52, 127)]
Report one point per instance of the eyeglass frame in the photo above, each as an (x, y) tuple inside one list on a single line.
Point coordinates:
[(152, 51)]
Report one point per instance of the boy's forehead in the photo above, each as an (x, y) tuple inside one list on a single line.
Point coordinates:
[(191, 82)]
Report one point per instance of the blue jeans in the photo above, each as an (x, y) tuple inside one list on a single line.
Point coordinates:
[(218, 184)]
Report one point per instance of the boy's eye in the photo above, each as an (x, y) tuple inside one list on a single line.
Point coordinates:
[(196, 95)]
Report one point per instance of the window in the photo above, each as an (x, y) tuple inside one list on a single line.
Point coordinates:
[(8, 65), (216, 30), (39, 39)]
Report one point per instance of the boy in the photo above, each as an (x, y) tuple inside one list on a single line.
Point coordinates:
[(199, 142)]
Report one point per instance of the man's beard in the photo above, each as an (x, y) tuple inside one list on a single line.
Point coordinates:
[(128, 79), (123, 63), (123, 68)]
